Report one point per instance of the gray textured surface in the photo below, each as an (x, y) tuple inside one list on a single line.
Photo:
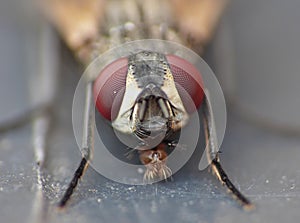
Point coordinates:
[(263, 164), (261, 44)]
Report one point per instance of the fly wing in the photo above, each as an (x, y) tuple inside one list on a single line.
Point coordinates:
[(197, 19), (81, 22), (77, 21)]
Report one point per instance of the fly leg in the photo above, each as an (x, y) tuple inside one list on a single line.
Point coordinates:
[(43, 83), (74, 182), (213, 156), (87, 145)]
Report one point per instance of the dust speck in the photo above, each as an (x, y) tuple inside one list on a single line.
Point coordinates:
[(140, 170)]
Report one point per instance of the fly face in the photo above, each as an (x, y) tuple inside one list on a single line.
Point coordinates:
[(151, 107), (151, 96)]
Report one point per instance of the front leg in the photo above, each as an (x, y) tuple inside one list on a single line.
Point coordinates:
[(213, 156), (87, 145)]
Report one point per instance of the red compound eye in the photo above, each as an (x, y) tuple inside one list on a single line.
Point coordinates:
[(188, 80), (109, 88)]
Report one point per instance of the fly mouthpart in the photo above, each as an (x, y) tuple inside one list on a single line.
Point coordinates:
[(152, 100), (153, 129), (164, 108), (155, 162), (151, 119), (142, 109)]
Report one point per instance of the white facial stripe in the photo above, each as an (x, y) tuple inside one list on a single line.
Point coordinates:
[(173, 96), (132, 91)]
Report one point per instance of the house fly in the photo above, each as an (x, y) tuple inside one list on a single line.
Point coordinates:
[(151, 106)]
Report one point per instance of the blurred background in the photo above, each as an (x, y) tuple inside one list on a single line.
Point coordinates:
[(255, 55)]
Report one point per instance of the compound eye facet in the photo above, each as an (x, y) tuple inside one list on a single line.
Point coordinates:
[(109, 88), (188, 82)]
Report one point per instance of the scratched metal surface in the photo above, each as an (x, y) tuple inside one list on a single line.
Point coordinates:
[(263, 164)]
